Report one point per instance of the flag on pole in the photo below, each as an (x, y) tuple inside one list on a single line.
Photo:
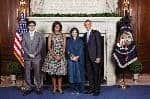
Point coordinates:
[(22, 28), (125, 49)]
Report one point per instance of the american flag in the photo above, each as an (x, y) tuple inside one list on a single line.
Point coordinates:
[(22, 28)]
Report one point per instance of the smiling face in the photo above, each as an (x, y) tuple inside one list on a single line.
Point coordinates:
[(31, 27), (57, 28), (74, 34), (88, 25)]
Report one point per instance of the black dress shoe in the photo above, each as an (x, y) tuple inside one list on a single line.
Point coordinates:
[(27, 92), (38, 91), (88, 92), (96, 93)]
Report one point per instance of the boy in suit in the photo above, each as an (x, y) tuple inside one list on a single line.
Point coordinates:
[(32, 46)]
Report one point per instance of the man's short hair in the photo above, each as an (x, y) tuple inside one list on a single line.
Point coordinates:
[(29, 22), (88, 20)]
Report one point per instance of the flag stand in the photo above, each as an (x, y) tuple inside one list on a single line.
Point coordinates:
[(123, 84)]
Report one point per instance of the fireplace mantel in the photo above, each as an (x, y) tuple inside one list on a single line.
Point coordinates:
[(106, 25)]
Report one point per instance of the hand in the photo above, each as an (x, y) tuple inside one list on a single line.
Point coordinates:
[(75, 58), (97, 60), (31, 55)]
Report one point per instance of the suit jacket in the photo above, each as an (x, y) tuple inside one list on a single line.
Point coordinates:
[(32, 46), (93, 46)]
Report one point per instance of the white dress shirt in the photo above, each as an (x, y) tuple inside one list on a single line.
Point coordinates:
[(32, 35)]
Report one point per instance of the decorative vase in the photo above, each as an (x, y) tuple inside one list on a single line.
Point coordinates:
[(13, 79), (135, 77)]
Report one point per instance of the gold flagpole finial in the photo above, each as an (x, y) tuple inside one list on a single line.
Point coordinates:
[(22, 8)]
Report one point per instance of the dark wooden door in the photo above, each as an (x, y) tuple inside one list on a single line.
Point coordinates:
[(143, 33), (7, 31)]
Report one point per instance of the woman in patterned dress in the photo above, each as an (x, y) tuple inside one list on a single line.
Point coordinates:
[(55, 63)]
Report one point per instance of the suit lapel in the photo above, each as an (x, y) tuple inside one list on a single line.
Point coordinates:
[(35, 34), (85, 37), (28, 36), (35, 37)]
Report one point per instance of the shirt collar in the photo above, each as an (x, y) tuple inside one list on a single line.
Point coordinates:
[(32, 32), (89, 31)]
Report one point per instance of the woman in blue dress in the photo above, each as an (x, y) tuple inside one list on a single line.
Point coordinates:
[(75, 60)]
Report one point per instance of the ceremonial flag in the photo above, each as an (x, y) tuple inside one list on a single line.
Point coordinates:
[(125, 49)]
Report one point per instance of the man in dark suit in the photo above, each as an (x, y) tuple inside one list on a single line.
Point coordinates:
[(32, 46), (93, 58)]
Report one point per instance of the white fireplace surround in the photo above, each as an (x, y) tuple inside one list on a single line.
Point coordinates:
[(106, 25)]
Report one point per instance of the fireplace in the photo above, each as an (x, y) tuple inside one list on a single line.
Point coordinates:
[(106, 25)]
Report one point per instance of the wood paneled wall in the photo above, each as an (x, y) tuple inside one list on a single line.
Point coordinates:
[(143, 33), (140, 22), (7, 31)]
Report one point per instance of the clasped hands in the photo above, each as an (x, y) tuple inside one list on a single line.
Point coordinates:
[(31, 55), (97, 60), (74, 58)]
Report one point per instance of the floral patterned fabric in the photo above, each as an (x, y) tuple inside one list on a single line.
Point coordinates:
[(51, 65)]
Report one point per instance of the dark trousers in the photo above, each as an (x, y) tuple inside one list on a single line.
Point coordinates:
[(35, 66), (93, 71)]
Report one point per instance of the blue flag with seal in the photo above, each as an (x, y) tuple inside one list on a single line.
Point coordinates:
[(125, 51)]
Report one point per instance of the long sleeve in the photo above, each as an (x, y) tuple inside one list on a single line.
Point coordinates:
[(68, 50), (40, 45), (24, 46), (98, 43), (81, 52)]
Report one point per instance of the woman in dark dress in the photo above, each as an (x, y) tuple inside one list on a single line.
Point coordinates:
[(75, 60)]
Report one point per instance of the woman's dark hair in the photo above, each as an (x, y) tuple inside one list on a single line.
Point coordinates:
[(72, 29), (56, 23), (29, 22)]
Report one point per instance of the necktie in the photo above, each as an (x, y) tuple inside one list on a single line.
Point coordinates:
[(88, 35)]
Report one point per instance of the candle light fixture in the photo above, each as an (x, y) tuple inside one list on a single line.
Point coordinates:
[(126, 8)]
